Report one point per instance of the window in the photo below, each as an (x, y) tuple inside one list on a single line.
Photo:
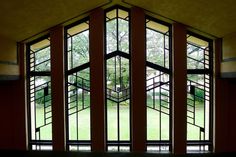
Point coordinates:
[(117, 76), (39, 95), (78, 87), (117, 60), (199, 93), (158, 86)]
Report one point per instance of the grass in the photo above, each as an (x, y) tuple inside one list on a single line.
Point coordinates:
[(112, 121), (80, 124)]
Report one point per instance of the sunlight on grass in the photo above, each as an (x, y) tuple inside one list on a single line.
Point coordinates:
[(83, 124), (112, 121), (153, 124)]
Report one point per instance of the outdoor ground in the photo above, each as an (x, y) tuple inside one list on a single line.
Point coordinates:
[(153, 124)]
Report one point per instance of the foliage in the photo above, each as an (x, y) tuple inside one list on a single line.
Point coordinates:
[(118, 41), (42, 90), (79, 47), (199, 95), (118, 67), (118, 75), (155, 47), (117, 37), (42, 59), (195, 58)]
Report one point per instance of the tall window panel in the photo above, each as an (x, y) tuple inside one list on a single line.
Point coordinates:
[(78, 87), (117, 59), (158, 85), (39, 94), (199, 93)]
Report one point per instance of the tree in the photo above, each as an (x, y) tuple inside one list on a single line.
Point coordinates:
[(195, 55), (117, 37), (79, 53), (118, 67), (42, 59), (155, 47), (42, 83)]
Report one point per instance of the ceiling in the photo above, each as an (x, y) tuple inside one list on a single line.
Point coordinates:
[(23, 19), (215, 17)]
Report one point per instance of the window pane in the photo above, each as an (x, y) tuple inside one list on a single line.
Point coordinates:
[(118, 104), (123, 35), (157, 43), (40, 56), (197, 53), (40, 105), (117, 31), (79, 105), (158, 105), (198, 107), (111, 35), (78, 45)]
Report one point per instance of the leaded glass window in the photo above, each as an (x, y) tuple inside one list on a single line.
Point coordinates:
[(117, 59), (39, 94), (78, 87), (158, 86), (199, 93)]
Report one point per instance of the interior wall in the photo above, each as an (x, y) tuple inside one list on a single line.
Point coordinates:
[(6, 118), (8, 59), (228, 70), (11, 115), (228, 64), (226, 117), (231, 140), (7, 50), (229, 47), (13, 110)]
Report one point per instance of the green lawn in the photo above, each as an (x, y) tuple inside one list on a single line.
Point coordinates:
[(82, 120)]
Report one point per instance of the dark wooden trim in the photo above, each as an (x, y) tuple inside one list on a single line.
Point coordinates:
[(138, 80), (96, 47), (58, 89), (179, 79)]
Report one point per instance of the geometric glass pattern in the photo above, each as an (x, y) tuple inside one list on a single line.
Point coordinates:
[(199, 91), (117, 61), (78, 87), (39, 93), (158, 85)]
